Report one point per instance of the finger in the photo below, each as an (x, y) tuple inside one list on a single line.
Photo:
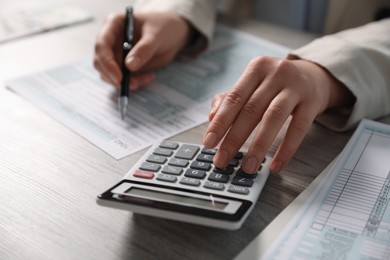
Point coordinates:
[(247, 120), (108, 80), (233, 102), (142, 52), (108, 47), (140, 81), (111, 31), (103, 75), (108, 68), (106, 51), (299, 126), (215, 103), (158, 61), (145, 79), (271, 123)]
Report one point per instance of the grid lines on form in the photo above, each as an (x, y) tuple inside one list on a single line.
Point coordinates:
[(349, 217), (356, 195)]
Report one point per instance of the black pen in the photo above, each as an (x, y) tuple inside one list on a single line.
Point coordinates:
[(123, 100)]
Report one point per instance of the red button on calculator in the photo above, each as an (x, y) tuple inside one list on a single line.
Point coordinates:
[(143, 174)]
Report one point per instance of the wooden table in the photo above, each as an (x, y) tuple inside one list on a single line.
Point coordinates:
[(50, 176)]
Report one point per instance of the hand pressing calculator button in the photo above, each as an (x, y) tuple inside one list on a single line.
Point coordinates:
[(179, 181)]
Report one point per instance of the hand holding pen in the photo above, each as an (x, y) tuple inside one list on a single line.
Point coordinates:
[(157, 38)]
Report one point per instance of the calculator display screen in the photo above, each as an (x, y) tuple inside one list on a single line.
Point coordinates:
[(175, 198)]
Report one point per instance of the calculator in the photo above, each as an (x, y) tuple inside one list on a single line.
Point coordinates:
[(178, 181)]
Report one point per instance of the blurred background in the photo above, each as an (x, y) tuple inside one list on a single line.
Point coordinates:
[(314, 16)]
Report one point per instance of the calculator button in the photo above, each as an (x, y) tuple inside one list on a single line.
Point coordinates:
[(163, 151), (187, 151), (169, 145), (190, 181), (212, 151), (143, 174), (238, 189), (198, 174), (166, 177), (227, 170), (205, 158), (147, 166), (172, 170), (214, 185), (178, 162), (218, 177), (239, 155), (156, 159), (242, 181), (241, 173), (234, 162), (200, 166)]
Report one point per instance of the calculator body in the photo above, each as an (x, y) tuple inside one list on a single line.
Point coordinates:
[(178, 181)]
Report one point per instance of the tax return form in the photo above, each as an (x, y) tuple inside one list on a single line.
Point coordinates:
[(178, 100), (347, 214)]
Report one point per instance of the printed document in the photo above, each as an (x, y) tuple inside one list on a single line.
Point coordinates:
[(348, 214), (179, 99), (26, 20)]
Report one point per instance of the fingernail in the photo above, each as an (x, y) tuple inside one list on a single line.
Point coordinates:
[(250, 165), (276, 166), (210, 139), (221, 159), (133, 62), (212, 113)]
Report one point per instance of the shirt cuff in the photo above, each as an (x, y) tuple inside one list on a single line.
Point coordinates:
[(199, 14)]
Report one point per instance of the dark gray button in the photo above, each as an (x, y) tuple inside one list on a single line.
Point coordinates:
[(212, 151), (178, 162), (169, 145), (238, 189), (239, 155), (205, 158), (200, 165), (241, 173), (190, 181), (166, 177), (172, 170), (156, 159), (198, 174), (163, 151), (227, 170), (147, 166), (234, 162), (187, 151), (214, 185), (218, 177), (242, 181)]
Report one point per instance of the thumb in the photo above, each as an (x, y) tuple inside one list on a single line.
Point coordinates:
[(142, 52)]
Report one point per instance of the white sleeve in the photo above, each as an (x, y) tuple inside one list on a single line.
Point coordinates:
[(360, 59), (199, 13)]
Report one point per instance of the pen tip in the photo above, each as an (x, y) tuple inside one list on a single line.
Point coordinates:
[(123, 103), (123, 113)]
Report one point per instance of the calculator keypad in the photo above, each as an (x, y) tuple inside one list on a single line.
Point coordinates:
[(191, 166)]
